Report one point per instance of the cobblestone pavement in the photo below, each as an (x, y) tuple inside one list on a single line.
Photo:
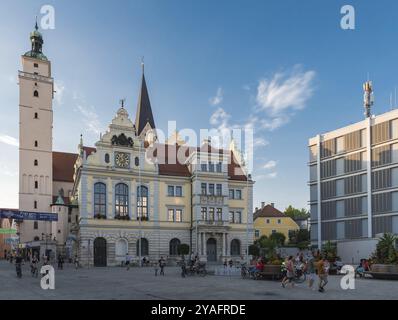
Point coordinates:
[(140, 283)]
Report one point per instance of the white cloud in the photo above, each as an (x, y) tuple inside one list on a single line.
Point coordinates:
[(215, 101), (270, 165), (272, 175), (260, 142), (259, 177), (274, 123), (9, 140), (90, 118), (285, 92), (59, 87), (220, 118)]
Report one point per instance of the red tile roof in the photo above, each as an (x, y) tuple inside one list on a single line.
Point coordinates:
[(63, 166), (268, 212)]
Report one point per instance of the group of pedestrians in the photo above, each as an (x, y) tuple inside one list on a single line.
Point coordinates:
[(312, 265)]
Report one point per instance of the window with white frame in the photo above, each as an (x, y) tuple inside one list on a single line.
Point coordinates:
[(235, 194), (174, 215), (178, 192), (235, 217), (204, 213), (204, 189), (211, 214), (219, 190), (211, 167), (211, 189), (174, 191), (219, 214), (170, 191)]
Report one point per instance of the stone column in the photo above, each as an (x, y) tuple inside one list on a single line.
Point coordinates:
[(199, 244), (223, 244), (204, 244), (226, 244)]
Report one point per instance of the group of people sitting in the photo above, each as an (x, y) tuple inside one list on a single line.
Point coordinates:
[(363, 267)]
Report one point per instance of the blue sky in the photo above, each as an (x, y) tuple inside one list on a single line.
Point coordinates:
[(284, 67)]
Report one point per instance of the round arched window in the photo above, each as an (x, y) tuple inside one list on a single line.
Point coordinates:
[(107, 158), (137, 161)]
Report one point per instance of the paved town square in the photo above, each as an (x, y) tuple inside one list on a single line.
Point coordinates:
[(140, 283)]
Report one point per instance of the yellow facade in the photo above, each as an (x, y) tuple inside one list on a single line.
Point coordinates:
[(264, 226)]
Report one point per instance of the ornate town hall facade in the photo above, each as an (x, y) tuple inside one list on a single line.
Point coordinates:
[(129, 194)]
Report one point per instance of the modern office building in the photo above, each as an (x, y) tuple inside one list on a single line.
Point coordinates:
[(354, 182)]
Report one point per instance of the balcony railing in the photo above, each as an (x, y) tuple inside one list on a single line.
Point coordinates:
[(211, 199), (36, 77), (212, 222)]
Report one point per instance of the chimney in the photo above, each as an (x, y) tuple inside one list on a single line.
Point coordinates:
[(272, 205), (262, 205)]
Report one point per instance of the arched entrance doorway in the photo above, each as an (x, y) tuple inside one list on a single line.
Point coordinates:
[(121, 249), (211, 249), (144, 247), (99, 252), (174, 244)]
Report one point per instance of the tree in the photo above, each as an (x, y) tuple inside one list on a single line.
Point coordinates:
[(183, 249), (278, 237), (385, 250), (329, 250), (254, 250), (295, 213), (299, 236)]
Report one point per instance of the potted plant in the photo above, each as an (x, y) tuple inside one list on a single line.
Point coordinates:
[(385, 258)]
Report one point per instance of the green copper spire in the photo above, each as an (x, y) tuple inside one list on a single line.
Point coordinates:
[(36, 40)]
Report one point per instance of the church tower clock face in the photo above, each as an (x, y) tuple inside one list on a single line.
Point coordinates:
[(122, 160)]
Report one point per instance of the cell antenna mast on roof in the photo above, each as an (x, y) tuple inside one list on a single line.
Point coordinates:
[(368, 99)]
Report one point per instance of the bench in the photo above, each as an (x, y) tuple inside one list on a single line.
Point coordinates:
[(270, 271)]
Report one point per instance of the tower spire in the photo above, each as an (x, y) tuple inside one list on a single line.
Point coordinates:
[(144, 110)]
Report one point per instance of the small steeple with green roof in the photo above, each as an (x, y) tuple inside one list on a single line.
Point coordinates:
[(36, 40)]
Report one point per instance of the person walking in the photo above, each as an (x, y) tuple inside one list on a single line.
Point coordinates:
[(289, 272), (156, 268), (76, 262), (127, 262), (323, 269), (60, 262), (161, 265), (310, 270)]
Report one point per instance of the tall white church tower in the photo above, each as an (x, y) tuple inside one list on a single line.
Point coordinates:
[(36, 88)]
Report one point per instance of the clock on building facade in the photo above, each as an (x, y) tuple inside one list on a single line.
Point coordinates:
[(122, 160)]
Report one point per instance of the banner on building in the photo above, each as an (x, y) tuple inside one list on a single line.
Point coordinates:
[(26, 215), (8, 231)]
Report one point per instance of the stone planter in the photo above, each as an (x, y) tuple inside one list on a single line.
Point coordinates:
[(384, 268)]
